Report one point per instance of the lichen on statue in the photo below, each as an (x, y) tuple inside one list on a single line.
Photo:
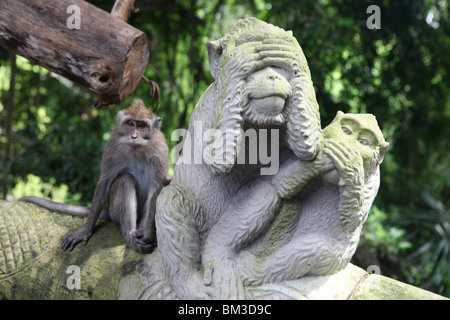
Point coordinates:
[(222, 225)]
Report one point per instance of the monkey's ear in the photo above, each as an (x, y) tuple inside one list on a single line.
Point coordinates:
[(158, 121), (214, 53), (383, 148), (120, 115), (338, 116)]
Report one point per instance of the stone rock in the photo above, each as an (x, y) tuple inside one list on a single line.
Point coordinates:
[(34, 267), (231, 220)]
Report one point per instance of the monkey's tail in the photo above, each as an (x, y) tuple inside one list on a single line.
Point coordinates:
[(76, 211)]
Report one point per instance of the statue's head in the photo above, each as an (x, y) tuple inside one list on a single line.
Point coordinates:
[(261, 77), (360, 133), (357, 147)]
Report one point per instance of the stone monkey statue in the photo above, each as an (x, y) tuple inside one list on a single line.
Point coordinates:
[(318, 207), (222, 225), (198, 194)]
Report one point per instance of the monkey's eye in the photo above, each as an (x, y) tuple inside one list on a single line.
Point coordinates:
[(141, 125), (364, 142), (347, 130), (131, 123)]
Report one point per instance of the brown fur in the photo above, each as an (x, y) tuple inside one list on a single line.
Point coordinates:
[(133, 172), (138, 110)]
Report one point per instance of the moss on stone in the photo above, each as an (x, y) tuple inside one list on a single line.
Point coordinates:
[(41, 272), (377, 287)]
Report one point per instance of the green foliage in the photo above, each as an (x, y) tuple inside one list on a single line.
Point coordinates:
[(399, 73), (384, 239), (33, 185), (430, 230)]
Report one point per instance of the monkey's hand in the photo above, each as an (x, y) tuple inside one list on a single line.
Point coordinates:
[(351, 170), (348, 162), (294, 174), (220, 272), (72, 240), (143, 241), (228, 285)]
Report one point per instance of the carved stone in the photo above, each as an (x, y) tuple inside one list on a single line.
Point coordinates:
[(33, 266), (231, 221)]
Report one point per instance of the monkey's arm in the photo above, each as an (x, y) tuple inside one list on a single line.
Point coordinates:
[(85, 232), (145, 235), (250, 212), (351, 184), (294, 174), (255, 205)]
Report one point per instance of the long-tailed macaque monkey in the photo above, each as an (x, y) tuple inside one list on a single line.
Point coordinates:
[(133, 171)]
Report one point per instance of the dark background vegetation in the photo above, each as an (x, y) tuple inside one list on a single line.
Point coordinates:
[(51, 139)]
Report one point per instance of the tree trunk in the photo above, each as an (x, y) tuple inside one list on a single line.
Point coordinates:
[(78, 41)]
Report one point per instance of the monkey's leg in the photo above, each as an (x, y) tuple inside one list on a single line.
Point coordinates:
[(145, 236), (314, 253), (249, 214), (123, 206), (179, 241)]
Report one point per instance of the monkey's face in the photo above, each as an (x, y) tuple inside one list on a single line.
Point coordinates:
[(136, 133), (261, 80), (136, 125), (354, 139), (257, 63), (265, 95)]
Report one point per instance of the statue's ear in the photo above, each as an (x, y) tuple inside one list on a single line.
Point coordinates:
[(214, 53), (383, 148), (339, 114)]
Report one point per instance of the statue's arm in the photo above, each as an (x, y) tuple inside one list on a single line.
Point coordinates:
[(250, 212), (294, 174), (351, 185), (255, 205)]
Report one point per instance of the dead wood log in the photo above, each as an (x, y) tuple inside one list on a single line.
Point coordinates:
[(78, 41), (122, 9)]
